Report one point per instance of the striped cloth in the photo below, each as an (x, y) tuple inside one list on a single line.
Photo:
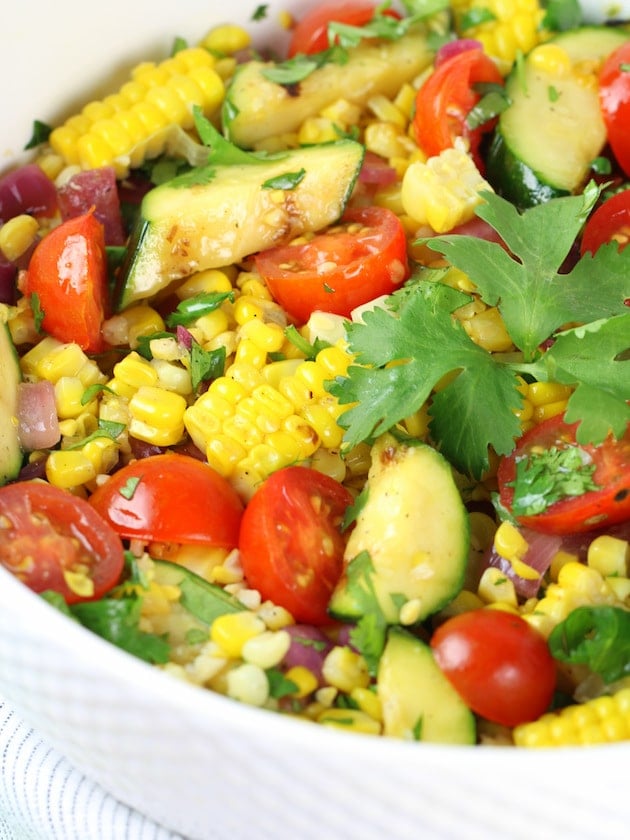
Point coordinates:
[(42, 797)]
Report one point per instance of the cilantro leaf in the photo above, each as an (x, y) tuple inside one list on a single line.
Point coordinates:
[(413, 350), (595, 636), (386, 393), (533, 297), (117, 621)]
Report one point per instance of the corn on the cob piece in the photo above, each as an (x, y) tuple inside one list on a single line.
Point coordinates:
[(444, 191), (137, 122), (504, 27), (603, 720)]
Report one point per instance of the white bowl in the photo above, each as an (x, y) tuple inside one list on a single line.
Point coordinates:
[(192, 760)]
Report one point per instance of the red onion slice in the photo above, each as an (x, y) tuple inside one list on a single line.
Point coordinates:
[(27, 190), (38, 425)]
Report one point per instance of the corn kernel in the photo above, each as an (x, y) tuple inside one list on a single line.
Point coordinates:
[(305, 680), (495, 587), (609, 555), (352, 720), (267, 649), (69, 468), (232, 630), (17, 235), (344, 669), (249, 684)]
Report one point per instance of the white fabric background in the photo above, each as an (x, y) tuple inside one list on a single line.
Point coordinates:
[(42, 797)]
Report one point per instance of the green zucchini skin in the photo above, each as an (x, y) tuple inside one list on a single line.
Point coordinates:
[(11, 455), (418, 701), (222, 213), (547, 138)]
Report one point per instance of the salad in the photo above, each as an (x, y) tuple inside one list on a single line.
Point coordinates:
[(312, 370)]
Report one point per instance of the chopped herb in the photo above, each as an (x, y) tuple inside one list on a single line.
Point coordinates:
[(179, 44), (38, 312), (41, 133), (624, 67), (534, 300), (475, 17), (106, 428), (561, 15), (205, 364), (298, 68), (597, 636), (309, 350), (117, 620), (353, 510), (189, 309), (260, 12), (369, 634), (144, 342), (279, 685), (205, 600), (552, 93), (288, 181), (129, 488), (601, 166), (92, 391), (135, 574), (196, 636), (543, 478), (417, 729), (492, 103)]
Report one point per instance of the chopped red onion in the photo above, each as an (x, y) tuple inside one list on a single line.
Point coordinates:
[(542, 549), (27, 190), (184, 337), (38, 425), (453, 48), (8, 285), (376, 170), (95, 188), (308, 648)]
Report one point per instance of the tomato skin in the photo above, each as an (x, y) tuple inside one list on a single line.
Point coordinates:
[(310, 35), (177, 499), (611, 220), (614, 100), (68, 273), (371, 263), (446, 98), (291, 545), (58, 531), (590, 511), (500, 666)]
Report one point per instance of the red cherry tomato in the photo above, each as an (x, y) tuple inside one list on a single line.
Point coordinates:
[(170, 498), (611, 220), (614, 99), (339, 270), (607, 505), (68, 273), (444, 101), (51, 539), (291, 545), (498, 663), (310, 35)]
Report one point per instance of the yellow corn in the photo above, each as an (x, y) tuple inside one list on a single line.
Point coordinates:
[(351, 720), (157, 416), (305, 680), (69, 391), (609, 555), (232, 630), (51, 359), (345, 669), (135, 123), (266, 649), (444, 191), (603, 720), (69, 468), (512, 27), (17, 235), (496, 588), (129, 326), (227, 38), (247, 683)]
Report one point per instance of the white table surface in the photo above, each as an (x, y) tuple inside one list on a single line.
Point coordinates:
[(43, 797)]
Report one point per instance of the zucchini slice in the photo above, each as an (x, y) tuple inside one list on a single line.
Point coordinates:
[(11, 454), (547, 138)]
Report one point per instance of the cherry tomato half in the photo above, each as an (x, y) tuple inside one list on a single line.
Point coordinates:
[(170, 498), (444, 101), (611, 220), (291, 545), (607, 505), (614, 100), (68, 273), (310, 35), (498, 663), (364, 257), (51, 539)]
